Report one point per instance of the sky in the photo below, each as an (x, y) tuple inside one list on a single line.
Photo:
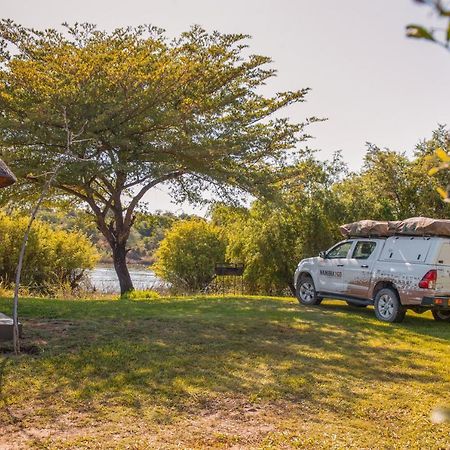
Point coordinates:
[(371, 82)]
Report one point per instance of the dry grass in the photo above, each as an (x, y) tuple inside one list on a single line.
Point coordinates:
[(222, 373)]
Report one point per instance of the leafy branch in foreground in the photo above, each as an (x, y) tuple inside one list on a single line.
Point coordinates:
[(440, 36), (444, 165)]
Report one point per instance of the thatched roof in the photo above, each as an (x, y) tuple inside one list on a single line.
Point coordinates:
[(6, 176)]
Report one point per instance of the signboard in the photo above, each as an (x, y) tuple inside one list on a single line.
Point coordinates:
[(235, 270)]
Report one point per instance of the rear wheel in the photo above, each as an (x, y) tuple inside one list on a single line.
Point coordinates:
[(306, 291), (441, 316), (388, 307)]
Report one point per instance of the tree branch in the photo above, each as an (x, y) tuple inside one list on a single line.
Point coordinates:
[(144, 190)]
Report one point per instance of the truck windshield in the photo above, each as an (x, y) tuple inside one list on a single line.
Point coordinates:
[(340, 251)]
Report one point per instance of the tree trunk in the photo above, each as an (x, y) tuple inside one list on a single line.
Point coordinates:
[(120, 265)]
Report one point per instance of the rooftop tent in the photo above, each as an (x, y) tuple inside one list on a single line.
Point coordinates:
[(414, 226), (421, 226), (6, 176), (366, 228)]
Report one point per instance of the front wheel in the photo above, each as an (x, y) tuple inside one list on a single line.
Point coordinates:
[(441, 316), (388, 307), (306, 291)]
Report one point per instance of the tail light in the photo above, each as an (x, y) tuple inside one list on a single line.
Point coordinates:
[(429, 280)]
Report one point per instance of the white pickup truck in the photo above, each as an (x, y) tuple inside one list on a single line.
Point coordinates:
[(393, 274)]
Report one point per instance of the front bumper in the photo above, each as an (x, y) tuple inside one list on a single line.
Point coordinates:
[(436, 302)]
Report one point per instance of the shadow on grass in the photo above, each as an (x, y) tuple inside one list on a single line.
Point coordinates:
[(183, 354), (418, 324)]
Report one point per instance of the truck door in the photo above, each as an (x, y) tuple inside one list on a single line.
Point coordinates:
[(330, 268), (358, 268)]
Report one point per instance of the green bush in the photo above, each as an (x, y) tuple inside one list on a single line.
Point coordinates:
[(187, 256), (140, 295), (53, 257)]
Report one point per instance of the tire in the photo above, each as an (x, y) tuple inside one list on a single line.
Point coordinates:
[(349, 303), (306, 291), (441, 316), (388, 307)]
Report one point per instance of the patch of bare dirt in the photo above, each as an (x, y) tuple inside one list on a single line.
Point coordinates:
[(226, 423), (29, 349), (58, 326), (36, 335)]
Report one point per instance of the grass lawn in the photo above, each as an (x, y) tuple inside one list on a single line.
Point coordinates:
[(238, 372)]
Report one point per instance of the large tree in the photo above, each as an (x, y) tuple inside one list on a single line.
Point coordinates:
[(186, 112)]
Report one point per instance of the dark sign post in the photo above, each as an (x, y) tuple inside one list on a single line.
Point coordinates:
[(229, 270)]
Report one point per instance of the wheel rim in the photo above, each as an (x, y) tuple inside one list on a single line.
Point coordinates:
[(386, 306), (307, 292)]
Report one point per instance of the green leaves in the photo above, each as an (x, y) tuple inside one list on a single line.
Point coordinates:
[(272, 236), (445, 160), (418, 32), (438, 35), (53, 258), (187, 255), (151, 106)]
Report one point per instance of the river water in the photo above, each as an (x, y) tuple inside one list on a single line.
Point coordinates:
[(104, 279)]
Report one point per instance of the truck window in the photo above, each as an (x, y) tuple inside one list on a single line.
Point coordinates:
[(364, 249), (340, 251), (444, 254), (412, 250)]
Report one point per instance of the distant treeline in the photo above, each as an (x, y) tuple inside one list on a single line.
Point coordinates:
[(148, 231)]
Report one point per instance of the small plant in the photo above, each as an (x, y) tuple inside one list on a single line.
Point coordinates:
[(140, 295)]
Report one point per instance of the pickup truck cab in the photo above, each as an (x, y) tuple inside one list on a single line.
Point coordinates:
[(393, 274)]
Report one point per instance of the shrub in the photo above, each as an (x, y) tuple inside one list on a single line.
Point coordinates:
[(187, 256), (53, 257), (140, 295)]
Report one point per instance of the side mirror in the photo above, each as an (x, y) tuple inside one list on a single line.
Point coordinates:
[(323, 255)]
